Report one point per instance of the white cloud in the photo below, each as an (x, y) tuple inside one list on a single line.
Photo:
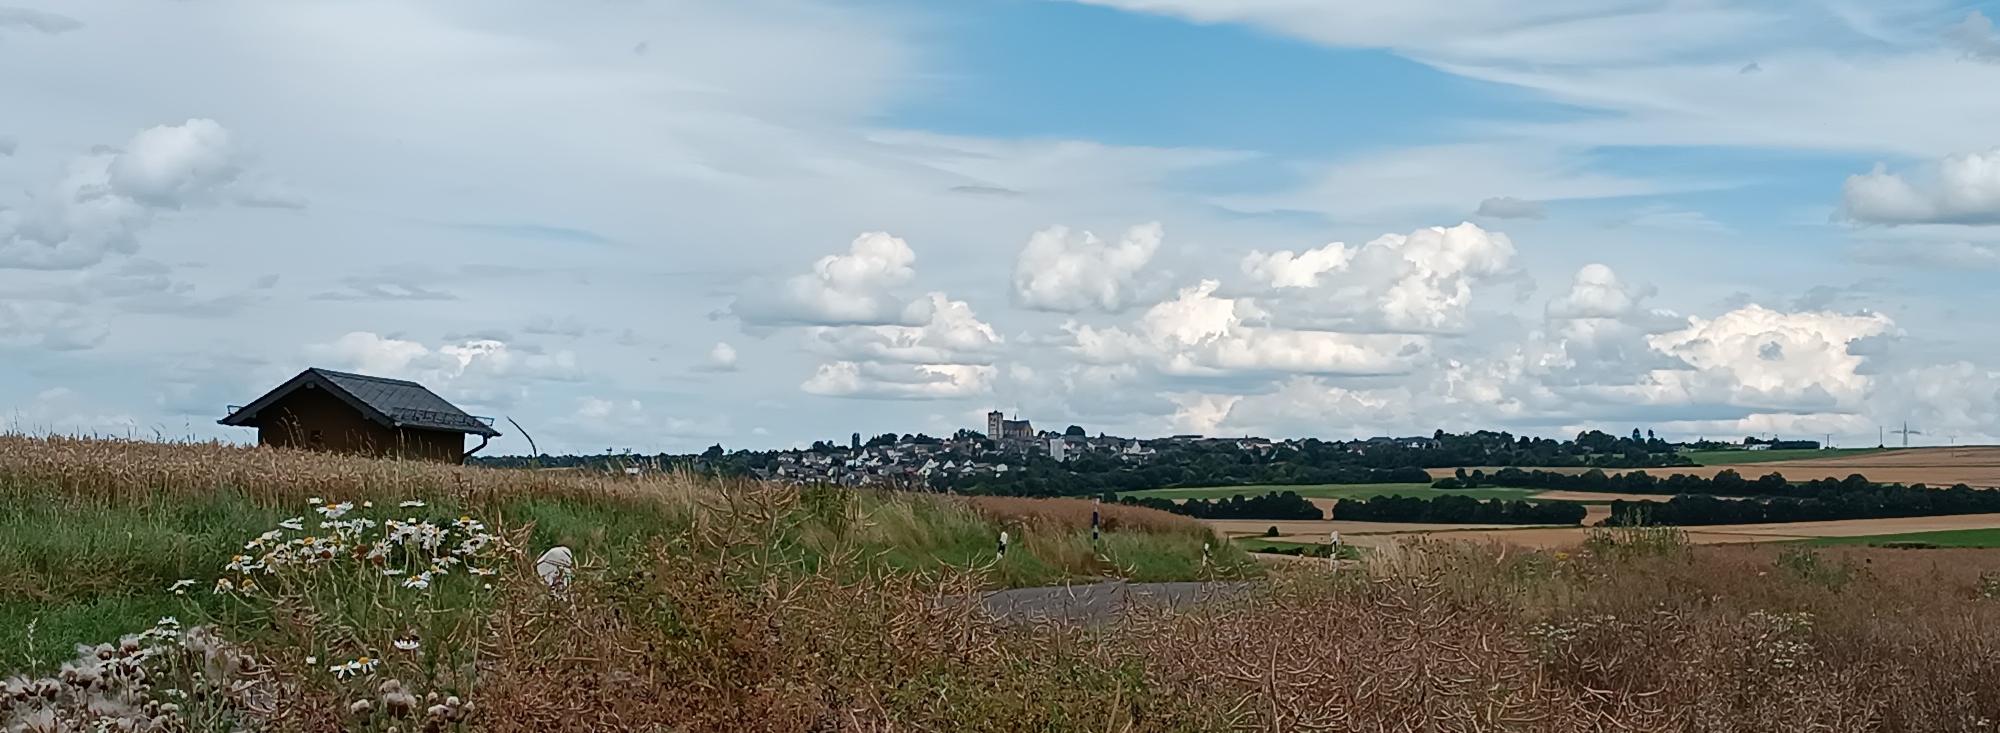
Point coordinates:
[(1597, 293), (853, 288), (485, 371), (1976, 36), (1508, 207), (1758, 357), (900, 381), (1963, 189), (106, 198), (1199, 333), (951, 334), (1421, 282), (721, 358), (1060, 272)]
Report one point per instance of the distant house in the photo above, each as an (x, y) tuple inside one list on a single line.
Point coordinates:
[(321, 409)]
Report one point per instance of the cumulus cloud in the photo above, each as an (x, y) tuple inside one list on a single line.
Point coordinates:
[(1597, 293), (1421, 282), (1962, 189), (40, 21), (721, 358), (900, 381), (951, 334), (1975, 36), (949, 355), (1200, 333), (106, 198), (1759, 357), (1065, 272), (483, 370), (1508, 207), (853, 288)]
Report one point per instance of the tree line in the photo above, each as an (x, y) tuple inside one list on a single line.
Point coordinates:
[(1457, 510), (1873, 501), (1270, 505)]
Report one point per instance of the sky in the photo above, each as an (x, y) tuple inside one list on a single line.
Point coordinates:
[(658, 225)]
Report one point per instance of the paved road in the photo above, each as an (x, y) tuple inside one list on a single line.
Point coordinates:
[(1098, 601)]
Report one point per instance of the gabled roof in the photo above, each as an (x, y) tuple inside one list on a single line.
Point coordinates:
[(396, 403)]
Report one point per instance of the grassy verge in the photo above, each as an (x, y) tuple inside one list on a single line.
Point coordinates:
[(1332, 491), (1739, 457)]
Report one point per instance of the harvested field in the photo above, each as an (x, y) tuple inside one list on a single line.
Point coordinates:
[(1549, 537), (1302, 530), (1971, 465)]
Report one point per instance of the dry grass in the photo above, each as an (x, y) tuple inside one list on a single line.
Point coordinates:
[(1074, 514), (716, 627)]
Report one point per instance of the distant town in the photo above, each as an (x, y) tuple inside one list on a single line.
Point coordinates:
[(1012, 456)]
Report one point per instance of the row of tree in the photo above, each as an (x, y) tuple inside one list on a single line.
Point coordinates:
[(1723, 483), (1039, 476), (1875, 501), (1457, 510), (1270, 505)]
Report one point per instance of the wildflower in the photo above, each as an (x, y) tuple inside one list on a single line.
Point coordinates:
[(478, 571), (294, 524), (408, 644), (359, 665), (368, 505), (314, 501), (310, 659), (222, 585), (420, 581), (180, 586), (332, 510), (392, 571), (411, 504), (1562, 556), (168, 621)]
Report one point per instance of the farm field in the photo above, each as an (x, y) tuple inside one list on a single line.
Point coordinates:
[(1971, 465), (1861, 531), (1947, 538), (1740, 457), (1329, 491)]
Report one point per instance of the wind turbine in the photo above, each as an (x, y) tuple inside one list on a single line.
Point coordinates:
[(1906, 432)]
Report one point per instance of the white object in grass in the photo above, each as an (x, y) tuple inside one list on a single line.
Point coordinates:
[(555, 566)]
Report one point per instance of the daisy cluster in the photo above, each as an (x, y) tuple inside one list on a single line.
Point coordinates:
[(415, 552)]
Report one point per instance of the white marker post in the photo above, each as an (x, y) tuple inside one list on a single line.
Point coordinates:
[(1003, 543), (1333, 548)]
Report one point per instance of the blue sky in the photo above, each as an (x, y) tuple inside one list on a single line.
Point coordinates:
[(664, 224)]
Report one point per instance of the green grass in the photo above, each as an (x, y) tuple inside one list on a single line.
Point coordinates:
[(1736, 457), (1946, 538), (1332, 491), (71, 576)]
